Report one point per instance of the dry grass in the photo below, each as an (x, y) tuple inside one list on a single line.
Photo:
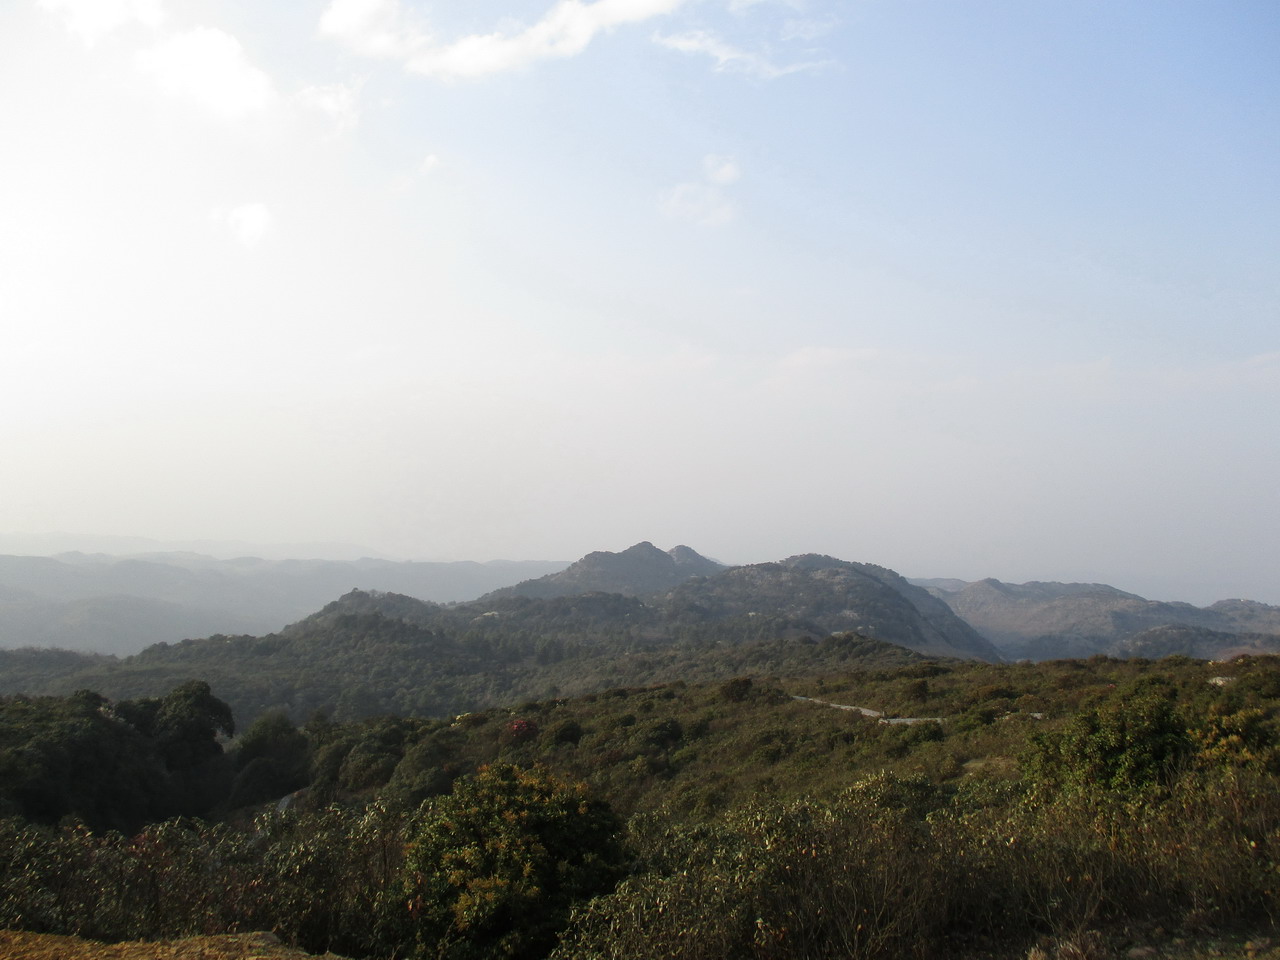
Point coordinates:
[(245, 946)]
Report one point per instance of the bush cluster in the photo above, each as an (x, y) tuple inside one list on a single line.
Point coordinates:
[(490, 870), (1051, 799)]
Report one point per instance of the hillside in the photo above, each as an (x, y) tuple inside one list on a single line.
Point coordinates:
[(371, 653), (109, 604), (1042, 621), (1197, 642), (1073, 810), (823, 595), (640, 569), (362, 664)]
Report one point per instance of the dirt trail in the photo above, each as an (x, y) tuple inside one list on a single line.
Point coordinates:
[(874, 714), (16, 945)]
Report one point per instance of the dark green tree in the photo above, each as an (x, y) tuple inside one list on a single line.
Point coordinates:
[(1133, 742), (272, 759), (496, 865)]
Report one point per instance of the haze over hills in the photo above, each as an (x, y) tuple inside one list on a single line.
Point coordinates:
[(109, 604), (50, 544), (1052, 620), (120, 605), (370, 653)]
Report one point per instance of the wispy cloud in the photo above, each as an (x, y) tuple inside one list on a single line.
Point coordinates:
[(731, 58), (248, 224), (742, 6), (698, 203), (720, 170), (381, 28), (807, 29), (208, 67), (91, 20), (705, 202), (337, 101), (407, 181), (374, 28)]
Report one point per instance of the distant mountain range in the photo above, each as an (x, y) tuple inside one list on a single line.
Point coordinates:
[(1040, 621), (120, 605), (370, 653), (812, 595)]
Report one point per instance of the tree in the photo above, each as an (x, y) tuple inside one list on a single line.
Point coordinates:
[(272, 759), (496, 866), (1129, 744), (184, 727)]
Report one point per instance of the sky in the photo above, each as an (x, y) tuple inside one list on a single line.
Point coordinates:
[(961, 288)]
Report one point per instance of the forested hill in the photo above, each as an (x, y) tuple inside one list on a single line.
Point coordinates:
[(370, 653), (827, 595), (361, 664), (638, 570)]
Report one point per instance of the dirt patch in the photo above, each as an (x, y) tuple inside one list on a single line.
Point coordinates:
[(241, 946)]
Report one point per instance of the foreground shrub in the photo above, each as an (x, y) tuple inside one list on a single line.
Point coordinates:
[(800, 879), (897, 869), (1133, 744), (494, 867)]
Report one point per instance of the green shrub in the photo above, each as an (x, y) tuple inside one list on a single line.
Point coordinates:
[(494, 868), (777, 880), (1128, 745)]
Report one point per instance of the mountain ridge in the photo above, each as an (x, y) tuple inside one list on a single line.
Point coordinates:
[(120, 605), (369, 652), (639, 569), (1048, 620)]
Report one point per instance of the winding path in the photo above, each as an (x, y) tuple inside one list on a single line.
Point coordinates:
[(868, 712)]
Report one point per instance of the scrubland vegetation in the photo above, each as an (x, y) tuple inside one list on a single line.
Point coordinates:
[(723, 819)]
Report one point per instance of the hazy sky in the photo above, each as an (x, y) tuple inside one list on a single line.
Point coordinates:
[(962, 288)]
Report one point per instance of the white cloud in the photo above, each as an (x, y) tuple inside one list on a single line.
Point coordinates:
[(406, 181), (807, 29), (728, 57), (208, 67), (721, 170), (698, 203), (380, 28), (248, 223), (339, 102), (373, 28), (93, 19), (705, 203), (743, 6)]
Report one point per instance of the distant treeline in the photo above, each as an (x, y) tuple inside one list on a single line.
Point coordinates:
[(372, 654)]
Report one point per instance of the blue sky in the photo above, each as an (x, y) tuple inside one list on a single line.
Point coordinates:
[(962, 288)]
